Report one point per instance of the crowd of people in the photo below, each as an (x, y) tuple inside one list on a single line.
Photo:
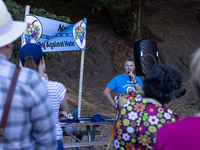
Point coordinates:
[(143, 120)]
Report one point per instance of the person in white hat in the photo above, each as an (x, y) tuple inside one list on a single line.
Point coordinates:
[(30, 124)]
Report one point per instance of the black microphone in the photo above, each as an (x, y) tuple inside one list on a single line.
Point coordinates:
[(129, 76)]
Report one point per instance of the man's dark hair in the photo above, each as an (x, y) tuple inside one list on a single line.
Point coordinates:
[(162, 83)]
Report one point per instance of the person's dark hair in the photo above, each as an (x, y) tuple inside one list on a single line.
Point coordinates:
[(163, 83), (129, 59), (30, 63)]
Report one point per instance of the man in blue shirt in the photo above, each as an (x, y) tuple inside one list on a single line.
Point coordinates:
[(124, 82)]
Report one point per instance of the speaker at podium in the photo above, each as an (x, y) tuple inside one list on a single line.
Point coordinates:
[(145, 55)]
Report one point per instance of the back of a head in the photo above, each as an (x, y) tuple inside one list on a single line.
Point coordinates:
[(30, 55), (30, 63), (162, 83), (195, 71), (9, 30)]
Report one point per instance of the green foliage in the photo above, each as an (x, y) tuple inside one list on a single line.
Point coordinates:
[(51, 55), (18, 13), (98, 5), (130, 20), (44, 13), (75, 58)]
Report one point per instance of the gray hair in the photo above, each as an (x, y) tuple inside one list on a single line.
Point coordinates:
[(129, 59)]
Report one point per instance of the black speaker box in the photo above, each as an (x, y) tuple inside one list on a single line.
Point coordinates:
[(145, 55)]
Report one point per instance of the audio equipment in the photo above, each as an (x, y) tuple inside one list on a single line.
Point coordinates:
[(145, 55)]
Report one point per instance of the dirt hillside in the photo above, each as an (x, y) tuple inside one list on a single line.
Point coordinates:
[(176, 24)]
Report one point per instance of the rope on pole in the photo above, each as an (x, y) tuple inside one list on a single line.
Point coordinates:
[(80, 83)]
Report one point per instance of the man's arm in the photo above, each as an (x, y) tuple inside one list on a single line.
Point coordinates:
[(64, 105), (64, 108), (138, 87), (107, 93)]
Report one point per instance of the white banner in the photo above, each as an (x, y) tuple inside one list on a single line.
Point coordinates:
[(54, 35)]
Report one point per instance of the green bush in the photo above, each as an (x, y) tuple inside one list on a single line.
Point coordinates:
[(18, 13)]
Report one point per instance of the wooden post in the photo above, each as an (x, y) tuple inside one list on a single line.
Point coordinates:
[(27, 10)]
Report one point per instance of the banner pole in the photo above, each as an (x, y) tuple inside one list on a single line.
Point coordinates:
[(80, 83), (27, 10)]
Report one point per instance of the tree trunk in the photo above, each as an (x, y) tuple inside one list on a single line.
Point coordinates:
[(131, 23), (117, 20), (139, 16)]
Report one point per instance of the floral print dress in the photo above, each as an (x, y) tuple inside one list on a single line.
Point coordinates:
[(138, 122)]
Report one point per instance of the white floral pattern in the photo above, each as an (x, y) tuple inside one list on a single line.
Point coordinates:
[(143, 126), (116, 143), (169, 111), (132, 115), (138, 98), (167, 116), (153, 120), (127, 104), (130, 130), (126, 137)]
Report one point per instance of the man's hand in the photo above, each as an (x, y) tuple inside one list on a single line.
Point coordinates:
[(45, 76), (62, 115), (139, 88), (132, 76)]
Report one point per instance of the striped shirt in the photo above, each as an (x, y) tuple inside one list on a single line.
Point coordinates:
[(30, 124), (56, 92)]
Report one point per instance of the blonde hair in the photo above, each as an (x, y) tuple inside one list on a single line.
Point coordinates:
[(195, 71)]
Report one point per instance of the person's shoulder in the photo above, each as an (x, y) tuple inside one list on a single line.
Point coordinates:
[(55, 84), (28, 70), (137, 77), (115, 78), (120, 75), (29, 73), (190, 120), (29, 78), (177, 125)]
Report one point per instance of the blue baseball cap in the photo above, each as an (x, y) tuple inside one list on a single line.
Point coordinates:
[(30, 49)]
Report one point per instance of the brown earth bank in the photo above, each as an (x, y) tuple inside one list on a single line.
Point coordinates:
[(176, 23)]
